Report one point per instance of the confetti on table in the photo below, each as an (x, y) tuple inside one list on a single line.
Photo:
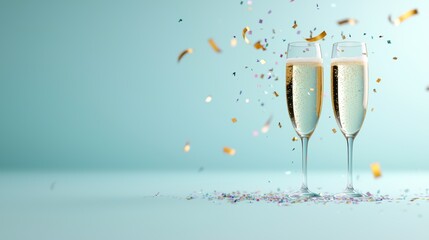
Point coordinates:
[(350, 21), (233, 42), (187, 147), (334, 130), (266, 126), (208, 99), (181, 55), (276, 94), (294, 139), (280, 125), (376, 169), (403, 17), (294, 25), (262, 61), (378, 80), (214, 45), (316, 38), (258, 45), (229, 151), (234, 120), (245, 30)]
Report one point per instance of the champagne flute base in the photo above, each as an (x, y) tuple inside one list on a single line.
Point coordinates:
[(305, 193), (349, 193)]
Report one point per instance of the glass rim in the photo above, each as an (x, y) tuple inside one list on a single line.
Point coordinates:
[(303, 44), (350, 44)]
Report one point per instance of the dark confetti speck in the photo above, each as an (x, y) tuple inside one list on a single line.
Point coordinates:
[(180, 20), (235, 73)]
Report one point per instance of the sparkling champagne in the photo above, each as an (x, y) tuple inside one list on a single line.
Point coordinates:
[(304, 87), (349, 84)]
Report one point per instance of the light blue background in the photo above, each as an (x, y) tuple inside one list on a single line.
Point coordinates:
[(96, 84)]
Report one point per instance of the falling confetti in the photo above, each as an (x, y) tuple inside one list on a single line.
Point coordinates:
[(316, 38), (258, 46), (374, 90), (294, 25), (187, 147), (234, 120), (403, 17), (280, 125), (395, 58), (245, 30), (294, 139), (214, 46), (229, 151), (181, 55), (208, 99), (378, 80), (350, 21), (372, 109), (262, 61), (276, 94), (266, 126), (334, 130), (233, 42), (376, 169)]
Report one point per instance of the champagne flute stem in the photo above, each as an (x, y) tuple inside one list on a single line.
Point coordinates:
[(350, 163), (304, 141)]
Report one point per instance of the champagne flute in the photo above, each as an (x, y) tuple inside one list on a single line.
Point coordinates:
[(304, 89), (349, 92)]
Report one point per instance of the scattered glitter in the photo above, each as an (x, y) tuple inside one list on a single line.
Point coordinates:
[(316, 38), (294, 139), (403, 17), (182, 54), (214, 46), (229, 151), (294, 25), (187, 147), (376, 169), (208, 99), (350, 21), (233, 42), (258, 45), (266, 126), (245, 30)]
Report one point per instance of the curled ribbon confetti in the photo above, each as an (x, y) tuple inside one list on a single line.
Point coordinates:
[(316, 38)]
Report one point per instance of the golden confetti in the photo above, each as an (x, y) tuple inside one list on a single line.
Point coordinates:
[(378, 80), (233, 42), (343, 37), (266, 126), (294, 139), (258, 45), (276, 94), (245, 30), (334, 130), (280, 125), (395, 58), (214, 46), (181, 55), (262, 61), (208, 99), (374, 90), (316, 38), (229, 151), (350, 21), (376, 169), (294, 25), (234, 120), (187, 147), (403, 17)]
